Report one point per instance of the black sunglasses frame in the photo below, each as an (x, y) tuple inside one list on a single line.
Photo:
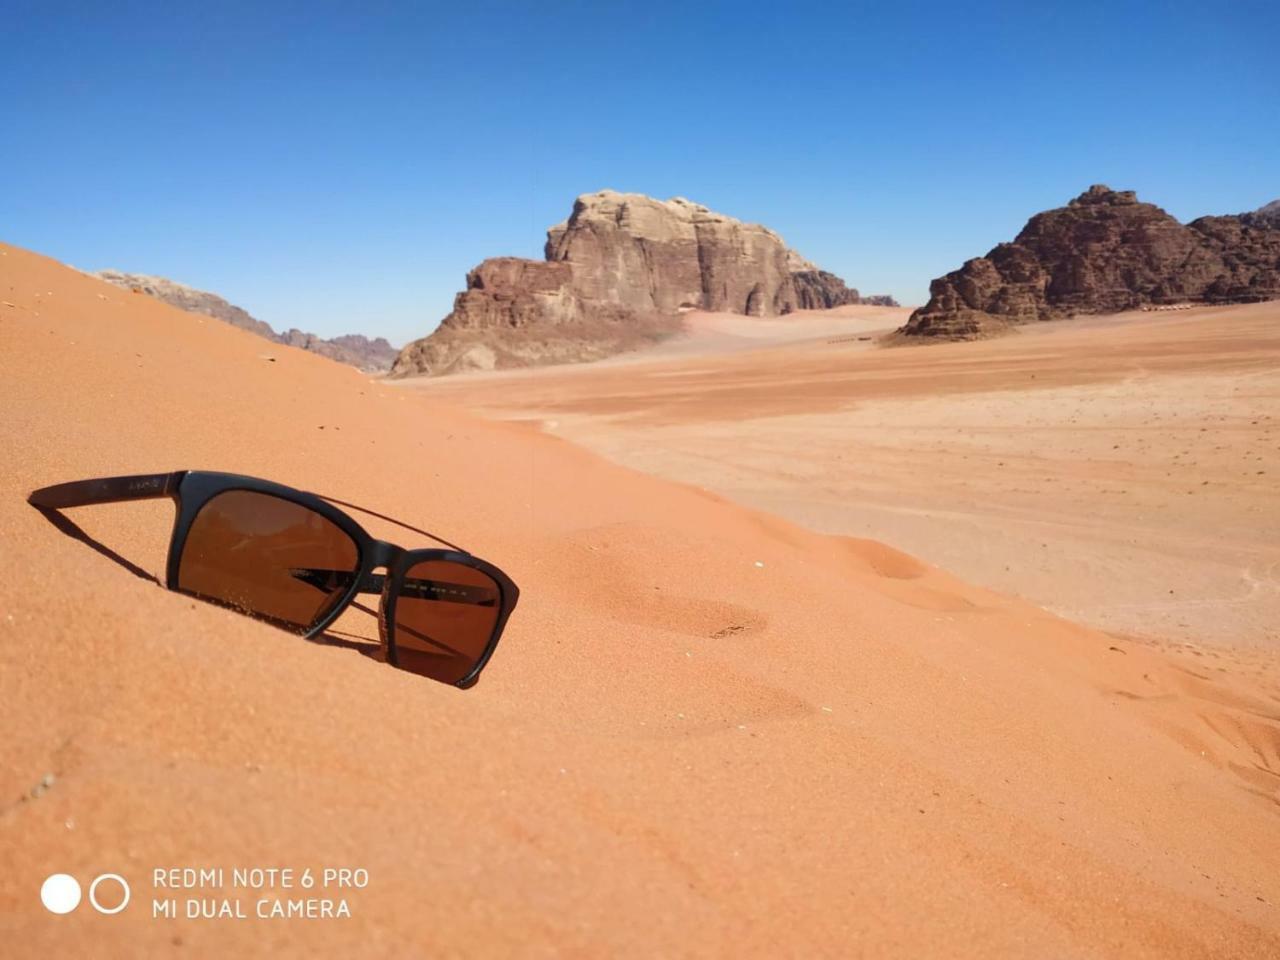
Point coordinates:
[(191, 490)]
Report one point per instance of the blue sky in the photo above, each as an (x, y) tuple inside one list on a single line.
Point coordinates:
[(339, 167)]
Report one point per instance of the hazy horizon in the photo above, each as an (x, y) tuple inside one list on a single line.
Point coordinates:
[(341, 172)]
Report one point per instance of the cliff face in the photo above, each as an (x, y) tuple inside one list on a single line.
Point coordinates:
[(374, 356), (511, 292), (617, 274), (1102, 253), (517, 313), (647, 254)]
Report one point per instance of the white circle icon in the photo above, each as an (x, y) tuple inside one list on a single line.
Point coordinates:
[(93, 893), (60, 893)]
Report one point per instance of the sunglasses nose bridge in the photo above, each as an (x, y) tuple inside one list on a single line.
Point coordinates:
[(384, 555)]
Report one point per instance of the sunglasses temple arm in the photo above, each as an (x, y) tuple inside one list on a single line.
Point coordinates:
[(83, 493)]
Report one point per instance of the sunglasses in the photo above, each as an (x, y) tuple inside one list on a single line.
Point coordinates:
[(294, 560)]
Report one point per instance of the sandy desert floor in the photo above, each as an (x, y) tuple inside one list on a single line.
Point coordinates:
[(708, 731), (1123, 471)]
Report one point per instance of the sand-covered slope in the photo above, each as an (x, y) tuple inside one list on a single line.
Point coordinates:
[(707, 732), (372, 356)]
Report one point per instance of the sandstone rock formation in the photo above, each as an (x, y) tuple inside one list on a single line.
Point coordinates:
[(1102, 253), (617, 274), (374, 356), (648, 254)]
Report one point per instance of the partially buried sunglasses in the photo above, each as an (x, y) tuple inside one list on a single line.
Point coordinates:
[(293, 559)]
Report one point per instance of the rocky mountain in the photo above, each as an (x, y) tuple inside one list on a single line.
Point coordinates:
[(617, 274), (374, 356), (1267, 215), (880, 300), (1103, 252)]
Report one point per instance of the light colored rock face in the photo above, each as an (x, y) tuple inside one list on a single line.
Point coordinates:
[(618, 272), (661, 255)]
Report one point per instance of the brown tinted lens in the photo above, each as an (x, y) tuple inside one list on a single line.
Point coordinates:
[(445, 616), (267, 557)]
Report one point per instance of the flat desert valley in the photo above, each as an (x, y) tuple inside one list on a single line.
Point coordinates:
[(962, 650), (1121, 471)]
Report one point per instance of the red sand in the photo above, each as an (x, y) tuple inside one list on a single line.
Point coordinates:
[(707, 731)]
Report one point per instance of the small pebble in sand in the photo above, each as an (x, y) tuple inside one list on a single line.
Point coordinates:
[(759, 563), (41, 788)]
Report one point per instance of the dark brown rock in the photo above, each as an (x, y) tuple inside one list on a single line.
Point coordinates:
[(518, 312), (818, 290), (618, 272), (512, 292), (1102, 253)]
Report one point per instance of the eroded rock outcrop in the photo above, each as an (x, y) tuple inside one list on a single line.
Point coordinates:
[(617, 274), (372, 355), (1102, 253), (647, 254)]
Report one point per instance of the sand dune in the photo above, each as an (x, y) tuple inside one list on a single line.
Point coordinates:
[(708, 731)]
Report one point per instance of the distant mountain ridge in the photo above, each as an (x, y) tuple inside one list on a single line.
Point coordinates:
[(373, 356), (617, 274), (1102, 253), (1268, 215)]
